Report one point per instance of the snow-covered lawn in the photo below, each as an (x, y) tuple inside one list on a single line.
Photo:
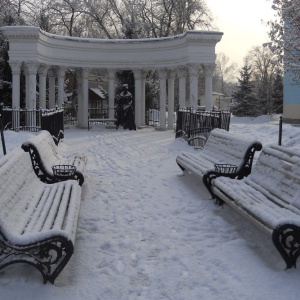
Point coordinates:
[(147, 232)]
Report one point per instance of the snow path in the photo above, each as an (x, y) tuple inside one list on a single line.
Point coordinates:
[(147, 232)]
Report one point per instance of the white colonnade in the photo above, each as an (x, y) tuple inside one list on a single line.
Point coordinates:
[(48, 56)]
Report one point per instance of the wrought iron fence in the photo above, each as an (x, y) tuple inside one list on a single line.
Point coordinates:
[(70, 116), (153, 118), (191, 123), (21, 119), (34, 120), (98, 113), (186, 121), (53, 121)]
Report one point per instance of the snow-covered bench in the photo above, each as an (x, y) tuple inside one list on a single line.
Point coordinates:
[(44, 155), (99, 121), (38, 221), (221, 148), (269, 197)]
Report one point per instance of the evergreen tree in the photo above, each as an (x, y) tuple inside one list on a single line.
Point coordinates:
[(277, 94), (246, 104)]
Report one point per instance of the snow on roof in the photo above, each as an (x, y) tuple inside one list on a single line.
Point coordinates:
[(98, 92)]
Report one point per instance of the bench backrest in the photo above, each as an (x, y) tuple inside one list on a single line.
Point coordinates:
[(19, 187), (231, 148), (277, 175), (46, 148)]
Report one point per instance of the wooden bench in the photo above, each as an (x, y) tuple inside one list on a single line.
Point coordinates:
[(44, 155), (269, 197), (38, 221), (221, 148)]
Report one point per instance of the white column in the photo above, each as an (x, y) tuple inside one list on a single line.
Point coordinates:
[(111, 93), (182, 87), (162, 75), (143, 99), (79, 98), (194, 75), (52, 77), (171, 86), (85, 96), (60, 86), (43, 69), (16, 71), (209, 70), (138, 97), (31, 71)]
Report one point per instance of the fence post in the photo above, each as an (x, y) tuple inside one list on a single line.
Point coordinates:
[(1, 129), (280, 131), (190, 122)]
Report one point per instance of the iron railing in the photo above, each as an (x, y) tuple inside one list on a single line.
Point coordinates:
[(153, 118), (53, 121), (186, 121), (191, 123), (21, 119), (34, 120)]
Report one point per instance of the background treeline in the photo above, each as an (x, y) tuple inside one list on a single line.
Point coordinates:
[(255, 89)]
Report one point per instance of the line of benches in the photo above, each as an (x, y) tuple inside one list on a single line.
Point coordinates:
[(97, 121), (44, 155), (38, 220), (268, 195)]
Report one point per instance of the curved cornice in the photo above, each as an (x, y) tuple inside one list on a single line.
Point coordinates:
[(31, 43)]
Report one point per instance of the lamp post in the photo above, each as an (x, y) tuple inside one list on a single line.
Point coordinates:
[(1, 129)]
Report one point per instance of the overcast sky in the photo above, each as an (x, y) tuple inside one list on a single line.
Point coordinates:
[(240, 21)]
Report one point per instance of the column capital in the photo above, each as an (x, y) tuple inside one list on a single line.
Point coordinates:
[(31, 68), (209, 69), (144, 74), (52, 72), (85, 73), (111, 73), (181, 72), (61, 72), (15, 66), (162, 73), (137, 74), (171, 74), (193, 70), (43, 69)]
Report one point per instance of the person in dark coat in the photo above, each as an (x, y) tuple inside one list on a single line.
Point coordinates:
[(124, 110)]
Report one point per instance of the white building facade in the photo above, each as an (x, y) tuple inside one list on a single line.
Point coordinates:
[(49, 56)]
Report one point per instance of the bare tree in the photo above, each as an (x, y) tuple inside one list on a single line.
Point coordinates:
[(227, 72), (265, 68), (146, 18)]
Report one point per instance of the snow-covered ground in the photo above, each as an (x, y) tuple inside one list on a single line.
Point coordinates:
[(147, 232)]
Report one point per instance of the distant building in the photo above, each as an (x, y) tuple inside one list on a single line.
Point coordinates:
[(291, 100), (219, 101)]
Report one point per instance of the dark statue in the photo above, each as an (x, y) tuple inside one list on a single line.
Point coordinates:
[(124, 110)]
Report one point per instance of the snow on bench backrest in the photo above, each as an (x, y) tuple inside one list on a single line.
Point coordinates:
[(19, 187), (224, 146), (277, 174), (47, 149)]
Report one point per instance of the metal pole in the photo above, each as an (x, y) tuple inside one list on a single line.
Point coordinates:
[(280, 131), (1, 129)]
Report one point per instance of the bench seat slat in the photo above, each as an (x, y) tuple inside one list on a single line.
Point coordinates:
[(45, 154), (36, 217), (269, 197), (221, 147)]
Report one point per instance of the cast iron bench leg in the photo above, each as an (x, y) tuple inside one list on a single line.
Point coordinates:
[(286, 239)]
